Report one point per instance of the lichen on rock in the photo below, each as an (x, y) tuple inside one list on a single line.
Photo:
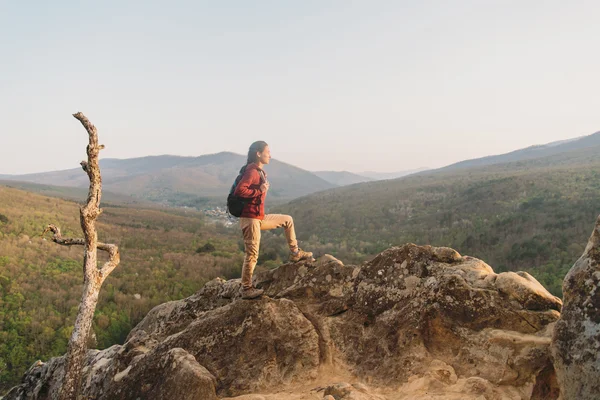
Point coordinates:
[(576, 340), (414, 319)]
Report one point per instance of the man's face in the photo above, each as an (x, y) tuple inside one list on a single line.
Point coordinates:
[(265, 156)]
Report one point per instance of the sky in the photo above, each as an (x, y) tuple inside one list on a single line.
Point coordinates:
[(329, 84)]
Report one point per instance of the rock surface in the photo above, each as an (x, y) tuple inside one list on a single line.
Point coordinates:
[(416, 322), (576, 341)]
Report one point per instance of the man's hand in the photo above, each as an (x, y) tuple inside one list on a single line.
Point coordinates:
[(264, 187)]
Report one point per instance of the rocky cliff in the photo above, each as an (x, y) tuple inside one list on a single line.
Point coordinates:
[(576, 341), (416, 322)]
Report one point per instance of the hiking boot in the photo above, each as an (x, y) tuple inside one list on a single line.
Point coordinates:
[(251, 293), (300, 255)]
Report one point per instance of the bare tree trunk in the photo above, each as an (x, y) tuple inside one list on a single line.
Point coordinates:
[(93, 276), (77, 350)]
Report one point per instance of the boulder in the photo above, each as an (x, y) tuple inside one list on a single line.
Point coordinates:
[(576, 340), (174, 374), (406, 307), (413, 320)]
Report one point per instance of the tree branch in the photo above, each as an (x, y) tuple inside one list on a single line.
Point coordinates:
[(91, 167), (111, 249), (113, 259), (57, 237)]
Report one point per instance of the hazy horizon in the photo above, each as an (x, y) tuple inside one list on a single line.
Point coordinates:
[(200, 155), (353, 86), (364, 170)]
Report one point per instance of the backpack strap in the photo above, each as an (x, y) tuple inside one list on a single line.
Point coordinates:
[(263, 179)]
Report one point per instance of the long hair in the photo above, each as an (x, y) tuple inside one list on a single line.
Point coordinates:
[(256, 147)]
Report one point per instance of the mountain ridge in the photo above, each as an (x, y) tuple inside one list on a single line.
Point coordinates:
[(342, 178), (202, 180), (378, 176), (181, 180), (531, 152)]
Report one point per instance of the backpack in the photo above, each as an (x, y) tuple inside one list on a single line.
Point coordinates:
[(235, 204)]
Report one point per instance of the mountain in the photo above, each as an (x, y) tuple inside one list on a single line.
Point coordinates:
[(341, 178), (378, 176), (533, 152), (528, 214), (184, 181)]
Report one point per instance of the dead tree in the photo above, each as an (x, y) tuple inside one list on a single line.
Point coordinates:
[(94, 276)]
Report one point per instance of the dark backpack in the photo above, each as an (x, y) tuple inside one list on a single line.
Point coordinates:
[(235, 204)]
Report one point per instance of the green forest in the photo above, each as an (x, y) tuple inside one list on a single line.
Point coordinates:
[(165, 255), (521, 216)]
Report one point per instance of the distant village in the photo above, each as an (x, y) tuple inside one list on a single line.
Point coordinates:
[(219, 214)]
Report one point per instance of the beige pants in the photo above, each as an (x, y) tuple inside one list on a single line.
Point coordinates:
[(251, 228)]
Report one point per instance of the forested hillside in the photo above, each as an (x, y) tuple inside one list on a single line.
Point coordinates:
[(76, 193), (532, 215), (165, 255)]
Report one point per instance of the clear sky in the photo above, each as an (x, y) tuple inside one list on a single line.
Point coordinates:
[(330, 85)]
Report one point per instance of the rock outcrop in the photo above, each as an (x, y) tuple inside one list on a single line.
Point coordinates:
[(576, 341), (416, 322)]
